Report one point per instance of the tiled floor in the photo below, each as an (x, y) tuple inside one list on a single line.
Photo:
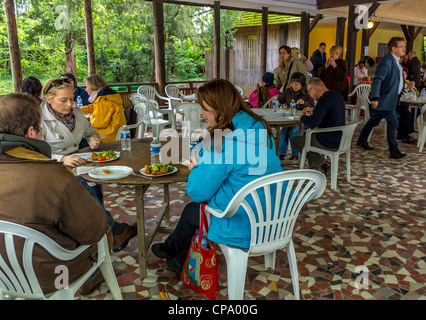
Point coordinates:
[(376, 222)]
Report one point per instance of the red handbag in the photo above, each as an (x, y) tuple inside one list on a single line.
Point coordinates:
[(201, 268)]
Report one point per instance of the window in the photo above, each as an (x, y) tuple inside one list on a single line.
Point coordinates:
[(251, 52)]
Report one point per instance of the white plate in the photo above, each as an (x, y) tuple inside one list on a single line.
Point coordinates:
[(158, 175), (117, 172), (86, 156)]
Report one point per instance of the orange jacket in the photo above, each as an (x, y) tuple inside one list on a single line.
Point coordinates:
[(107, 114)]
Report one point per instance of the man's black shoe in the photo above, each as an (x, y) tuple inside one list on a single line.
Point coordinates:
[(364, 145), (157, 249), (397, 155)]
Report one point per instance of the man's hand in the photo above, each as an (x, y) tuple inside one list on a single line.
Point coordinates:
[(374, 104)]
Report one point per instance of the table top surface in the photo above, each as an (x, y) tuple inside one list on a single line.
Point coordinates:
[(136, 158), (417, 101), (276, 118)]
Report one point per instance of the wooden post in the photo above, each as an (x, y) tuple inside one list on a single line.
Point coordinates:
[(160, 60), (351, 45), (340, 31), (263, 40), (283, 34), (410, 35), (12, 35), (367, 33), (216, 60), (304, 34), (89, 37)]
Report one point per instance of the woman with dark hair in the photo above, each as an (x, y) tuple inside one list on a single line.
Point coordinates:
[(300, 95), (32, 86), (288, 65), (221, 170)]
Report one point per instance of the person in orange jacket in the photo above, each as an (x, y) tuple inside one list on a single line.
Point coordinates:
[(106, 108)]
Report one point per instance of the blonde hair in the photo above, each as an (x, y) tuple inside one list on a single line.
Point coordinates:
[(53, 85), (295, 50), (96, 82), (337, 50)]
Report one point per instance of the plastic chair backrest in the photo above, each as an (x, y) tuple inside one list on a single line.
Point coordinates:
[(140, 109), (24, 283), (172, 91), (191, 113), (272, 230), (347, 134), (240, 90), (268, 104), (147, 91), (151, 109)]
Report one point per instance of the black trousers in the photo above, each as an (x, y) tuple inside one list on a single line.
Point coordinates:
[(405, 124), (178, 243)]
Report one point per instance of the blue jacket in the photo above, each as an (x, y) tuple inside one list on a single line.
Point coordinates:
[(79, 91), (386, 83), (220, 175)]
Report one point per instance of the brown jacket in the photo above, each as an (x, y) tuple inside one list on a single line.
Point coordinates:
[(336, 78), (42, 194), (289, 94)]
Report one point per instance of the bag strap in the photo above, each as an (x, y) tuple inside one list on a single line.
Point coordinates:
[(203, 221), (288, 74)]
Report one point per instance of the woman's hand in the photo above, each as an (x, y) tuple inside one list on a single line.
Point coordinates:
[(332, 63), (193, 162), (94, 143), (300, 102), (72, 161)]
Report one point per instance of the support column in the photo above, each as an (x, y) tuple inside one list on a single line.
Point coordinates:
[(12, 35), (304, 33), (351, 45), (216, 60), (263, 41), (90, 43), (340, 31), (160, 60)]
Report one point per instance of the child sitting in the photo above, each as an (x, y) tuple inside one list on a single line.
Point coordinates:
[(263, 93)]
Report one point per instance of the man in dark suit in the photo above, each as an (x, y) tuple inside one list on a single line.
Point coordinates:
[(386, 89)]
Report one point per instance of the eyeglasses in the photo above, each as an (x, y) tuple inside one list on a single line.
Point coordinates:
[(310, 89), (401, 46), (58, 83)]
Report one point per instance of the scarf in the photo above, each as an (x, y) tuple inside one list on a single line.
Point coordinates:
[(93, 96), (68, 120)]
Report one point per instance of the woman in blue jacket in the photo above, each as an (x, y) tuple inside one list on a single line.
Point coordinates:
[(240, 149)]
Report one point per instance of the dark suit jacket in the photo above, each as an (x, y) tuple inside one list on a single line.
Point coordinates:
[(386, 83), (414, 71)]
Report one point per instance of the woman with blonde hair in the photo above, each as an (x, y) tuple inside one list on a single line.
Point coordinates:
[(288, 65), (63, 127), (335, 72), (106, 108)]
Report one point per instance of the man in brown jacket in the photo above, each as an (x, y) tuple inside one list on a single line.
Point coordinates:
[(42, 194)]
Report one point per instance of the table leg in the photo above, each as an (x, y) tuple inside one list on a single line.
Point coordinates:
[(167, 202), (140, 221), (415, 118)]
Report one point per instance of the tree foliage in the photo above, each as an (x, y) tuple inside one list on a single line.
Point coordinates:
[(123, 36)]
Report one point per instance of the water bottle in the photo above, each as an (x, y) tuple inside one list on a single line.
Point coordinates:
[(423, 94), (275, 105), (193, 151), (204, 241), (292, 108), (155, 151), (126, 144), (79, 102)]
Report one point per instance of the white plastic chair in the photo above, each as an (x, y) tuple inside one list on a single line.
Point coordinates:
[(362, 92), (344, 147), (139, 125), (191, 113), (152, 115), (270, 231), (421, 125), (240, 90), (24, 284), (150, 93), (268, 104)]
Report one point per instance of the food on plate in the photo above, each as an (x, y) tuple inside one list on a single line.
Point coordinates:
[(103, 156), (107, 171), (158, 169)]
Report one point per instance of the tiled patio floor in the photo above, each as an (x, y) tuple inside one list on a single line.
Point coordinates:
[(378, 220)]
